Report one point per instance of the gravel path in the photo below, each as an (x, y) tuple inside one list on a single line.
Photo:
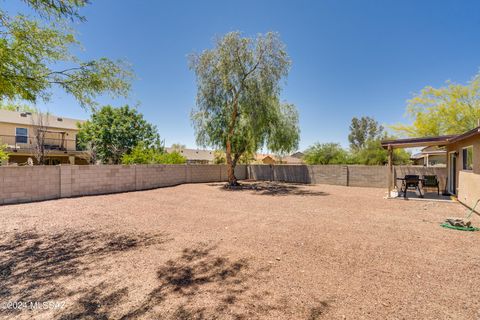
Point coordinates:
[(198, 251)]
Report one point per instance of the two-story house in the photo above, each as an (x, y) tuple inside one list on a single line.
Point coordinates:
[(19, 131)]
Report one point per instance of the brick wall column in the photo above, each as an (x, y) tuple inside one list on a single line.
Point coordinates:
[(188, 174), (65, 181)]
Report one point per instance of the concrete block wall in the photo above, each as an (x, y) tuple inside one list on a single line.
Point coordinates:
[(260, 172), (25, 184), (441, 173), (156, 175), (368, 176), (296, 174), (345, 175), (329, 174)]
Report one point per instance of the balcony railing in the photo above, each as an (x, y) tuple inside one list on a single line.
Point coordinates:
[(30, 143)]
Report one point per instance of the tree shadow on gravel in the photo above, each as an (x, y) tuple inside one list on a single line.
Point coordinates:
[(271, 188), (33, 266), (200, 284)]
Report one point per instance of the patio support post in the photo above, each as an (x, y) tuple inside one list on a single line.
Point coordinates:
[(390, 170)]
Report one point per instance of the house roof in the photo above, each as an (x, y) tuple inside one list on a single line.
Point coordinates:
[(287, 159), (28, 119), (194, 154), (466, 135), (429, 141)]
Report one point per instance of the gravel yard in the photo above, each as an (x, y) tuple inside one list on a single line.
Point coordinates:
[(198, 251)]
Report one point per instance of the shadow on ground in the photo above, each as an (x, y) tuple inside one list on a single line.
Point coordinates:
[(200, 283), (35, 267), (271, 188)]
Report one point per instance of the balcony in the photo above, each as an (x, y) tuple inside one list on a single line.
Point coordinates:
[(29, 144)]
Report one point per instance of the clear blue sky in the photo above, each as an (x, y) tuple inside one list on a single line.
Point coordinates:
[(350, 58)]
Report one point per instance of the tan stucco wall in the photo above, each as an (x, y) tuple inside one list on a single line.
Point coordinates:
[(457, 147), (8, 129), (469, 188), (467, 182)]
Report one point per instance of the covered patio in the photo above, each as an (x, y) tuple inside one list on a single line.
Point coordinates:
[(410, 185)]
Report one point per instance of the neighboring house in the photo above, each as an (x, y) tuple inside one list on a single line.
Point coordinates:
[(431, 156), (271, 159), (463, 161), (17, 132), (298, 155), (195, 156)]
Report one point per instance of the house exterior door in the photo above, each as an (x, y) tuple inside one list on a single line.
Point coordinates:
[(452, 172)]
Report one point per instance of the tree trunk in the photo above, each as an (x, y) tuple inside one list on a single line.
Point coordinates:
[(232, 180)]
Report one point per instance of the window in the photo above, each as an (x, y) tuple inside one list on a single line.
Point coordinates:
[(467, 155), (21, 135)]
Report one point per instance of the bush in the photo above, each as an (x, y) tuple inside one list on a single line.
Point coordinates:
[(326, 153), (142, 155), (371, 154), (3, 154)]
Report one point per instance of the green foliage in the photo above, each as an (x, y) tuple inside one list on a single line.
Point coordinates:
[(21, 107), (36, 56), (373, 154), (113, 132), (238, 87), (3, 154), (219, 157), (326, 153), (451, 109), (148, 155), (178, 146), (364, 130)]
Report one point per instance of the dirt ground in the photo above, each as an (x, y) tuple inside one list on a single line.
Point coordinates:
[(198, 251)]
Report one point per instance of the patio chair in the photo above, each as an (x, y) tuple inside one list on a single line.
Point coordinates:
[(411, 181), (431, 181)]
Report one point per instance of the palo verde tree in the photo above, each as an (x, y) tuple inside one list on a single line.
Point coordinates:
[(36, 55), (237, 106), (451, 109)]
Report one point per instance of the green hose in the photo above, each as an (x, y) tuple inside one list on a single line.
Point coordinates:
[(447, 225)]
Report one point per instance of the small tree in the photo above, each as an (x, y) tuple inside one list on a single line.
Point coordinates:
[(326, 153), (3, 154), (40, 127), (364, 130), (373, 154), (178, 146), (238, 108), (112, 132), (143, 155)]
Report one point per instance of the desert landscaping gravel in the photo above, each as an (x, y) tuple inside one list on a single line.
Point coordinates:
[(276, 251)]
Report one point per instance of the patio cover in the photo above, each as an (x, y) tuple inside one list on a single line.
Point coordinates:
[(411, 143)]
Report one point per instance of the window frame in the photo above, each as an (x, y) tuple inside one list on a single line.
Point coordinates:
[(25, 136), (464, 163)]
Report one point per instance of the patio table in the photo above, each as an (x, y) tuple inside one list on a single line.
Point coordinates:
[(404, 187)]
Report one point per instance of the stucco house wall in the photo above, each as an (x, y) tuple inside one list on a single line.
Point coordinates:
[(467, 181)]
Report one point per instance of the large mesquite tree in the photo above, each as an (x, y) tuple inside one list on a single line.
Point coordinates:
[(238, 108)]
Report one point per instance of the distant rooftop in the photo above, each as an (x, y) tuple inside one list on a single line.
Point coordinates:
[(194, 154), (27, 118)]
